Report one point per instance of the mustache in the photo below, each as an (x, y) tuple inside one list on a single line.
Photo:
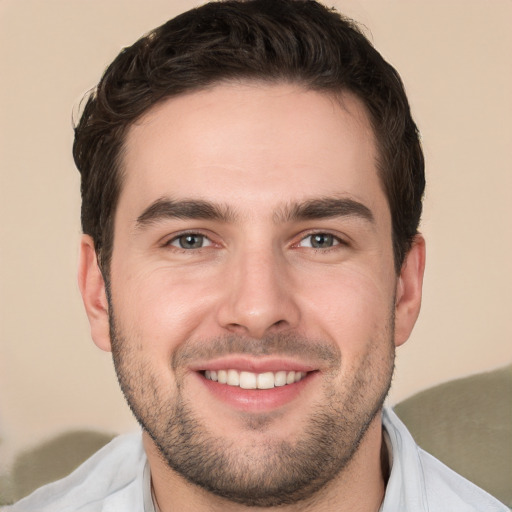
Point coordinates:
[(288, 344)]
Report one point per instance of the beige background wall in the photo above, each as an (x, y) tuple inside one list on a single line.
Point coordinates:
[(454, 57)]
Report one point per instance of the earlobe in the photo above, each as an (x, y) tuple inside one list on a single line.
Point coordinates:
[(94, 296), (409, 290)]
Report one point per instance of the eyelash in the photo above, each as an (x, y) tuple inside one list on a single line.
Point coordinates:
[(336, 241), (176, 238)]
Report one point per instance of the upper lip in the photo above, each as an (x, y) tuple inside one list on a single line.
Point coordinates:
[(251, 364)]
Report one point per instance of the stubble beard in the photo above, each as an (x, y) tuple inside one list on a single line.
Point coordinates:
[(280, 471)]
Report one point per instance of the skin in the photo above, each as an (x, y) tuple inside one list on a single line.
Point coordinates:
[(256, 151)]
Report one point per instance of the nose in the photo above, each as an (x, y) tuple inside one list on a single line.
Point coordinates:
[(259, 295)]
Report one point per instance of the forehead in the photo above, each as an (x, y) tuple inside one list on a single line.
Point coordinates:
[(255, 146)]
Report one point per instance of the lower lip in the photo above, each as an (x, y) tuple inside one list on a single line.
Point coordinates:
[(257, 400)]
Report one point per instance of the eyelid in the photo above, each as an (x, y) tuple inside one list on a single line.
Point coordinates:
[(169, 239), (340, 240), (205, 242)]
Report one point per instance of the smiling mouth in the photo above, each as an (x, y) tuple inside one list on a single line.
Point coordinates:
[(250, 380)]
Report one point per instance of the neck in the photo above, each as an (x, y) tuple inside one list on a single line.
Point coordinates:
[(360, 487)]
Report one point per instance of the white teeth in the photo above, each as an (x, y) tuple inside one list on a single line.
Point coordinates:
[(250, 380), (265, 380), (280, 378), (233, 378)]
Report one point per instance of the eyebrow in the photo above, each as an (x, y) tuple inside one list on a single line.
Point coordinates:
[(165, 208), (322, 208)]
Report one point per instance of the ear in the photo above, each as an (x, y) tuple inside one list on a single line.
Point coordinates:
[(92, 288), (408, 291)]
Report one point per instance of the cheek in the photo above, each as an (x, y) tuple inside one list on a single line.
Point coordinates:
[(353, 307), (163, 305)]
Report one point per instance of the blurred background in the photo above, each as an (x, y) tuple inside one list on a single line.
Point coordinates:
[(454, 58)]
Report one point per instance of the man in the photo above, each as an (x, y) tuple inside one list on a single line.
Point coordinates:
[(251, 184)]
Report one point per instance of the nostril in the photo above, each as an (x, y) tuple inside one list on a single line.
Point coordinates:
[(237, 328), (257, 329), (279, 325), (255, 314)]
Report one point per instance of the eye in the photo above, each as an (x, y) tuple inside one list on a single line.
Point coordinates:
[(190, 241), (320, 241)]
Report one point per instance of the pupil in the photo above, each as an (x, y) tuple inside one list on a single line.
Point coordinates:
[(191, 241), (322, 241)]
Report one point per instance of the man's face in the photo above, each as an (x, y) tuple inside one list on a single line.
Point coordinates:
[(252, 244)]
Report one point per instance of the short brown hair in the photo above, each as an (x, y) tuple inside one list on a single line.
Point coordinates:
[(298, 41)]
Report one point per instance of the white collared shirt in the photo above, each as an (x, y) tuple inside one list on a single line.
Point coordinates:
[(117, 478)]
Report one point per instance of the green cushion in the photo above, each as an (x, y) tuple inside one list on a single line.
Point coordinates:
[(467, 424), (48, 462)]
